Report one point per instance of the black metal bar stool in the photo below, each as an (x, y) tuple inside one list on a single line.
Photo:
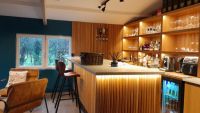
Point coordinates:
[(74, 92), (56, 85)]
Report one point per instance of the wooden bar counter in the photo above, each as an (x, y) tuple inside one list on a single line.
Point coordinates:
[(122, 89)]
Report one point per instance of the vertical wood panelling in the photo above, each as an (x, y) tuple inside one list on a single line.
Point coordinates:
[(119, 93), (128, 94), (84, 38), (191, 99), (86, 87)]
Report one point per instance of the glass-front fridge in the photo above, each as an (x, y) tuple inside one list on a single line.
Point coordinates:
[(172, 95)]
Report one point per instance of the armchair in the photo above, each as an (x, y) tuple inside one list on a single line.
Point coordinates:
[(25, 96), (33, 74)]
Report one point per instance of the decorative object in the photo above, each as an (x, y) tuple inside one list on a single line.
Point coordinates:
[(115, 57), (91, 58), (102, 34)]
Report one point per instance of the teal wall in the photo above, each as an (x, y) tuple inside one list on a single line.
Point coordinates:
[(10, 26)]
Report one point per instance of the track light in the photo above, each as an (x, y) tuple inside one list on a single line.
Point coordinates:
[(103, 9), (102, 6)]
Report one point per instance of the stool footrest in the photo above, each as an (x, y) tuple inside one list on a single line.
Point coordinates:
[(71, 74)]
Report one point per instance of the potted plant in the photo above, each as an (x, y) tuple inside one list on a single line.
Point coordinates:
[(115, 57)]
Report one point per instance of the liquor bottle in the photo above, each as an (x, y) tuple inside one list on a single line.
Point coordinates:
[(164, 7), (189, 2), (175, 4), (170, 5), (182, 3)]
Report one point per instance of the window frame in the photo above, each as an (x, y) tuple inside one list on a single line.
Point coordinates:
[(47, 47), (44, 49)]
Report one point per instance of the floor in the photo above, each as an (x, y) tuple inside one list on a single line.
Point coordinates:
[(66, 106)]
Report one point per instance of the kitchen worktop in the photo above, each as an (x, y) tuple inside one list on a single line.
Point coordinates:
[(127, 69), (192, 80), (122, 69)]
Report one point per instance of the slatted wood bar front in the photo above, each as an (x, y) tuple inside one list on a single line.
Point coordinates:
[(136, 93)]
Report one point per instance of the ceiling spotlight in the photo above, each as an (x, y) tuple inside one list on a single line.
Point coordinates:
[(102, 6), (103, 9)]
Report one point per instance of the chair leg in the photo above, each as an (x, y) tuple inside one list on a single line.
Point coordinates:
[(60, 92), (77, 94), (45, 100), (56, 88), (60, 95), (76, 91)]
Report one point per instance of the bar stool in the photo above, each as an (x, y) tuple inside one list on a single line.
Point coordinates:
[(56, 85), (75, 91)]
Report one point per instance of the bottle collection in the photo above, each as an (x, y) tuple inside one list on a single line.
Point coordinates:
[(155, 28), (169, 5), (152, 46), (170, 103), (149, 61)]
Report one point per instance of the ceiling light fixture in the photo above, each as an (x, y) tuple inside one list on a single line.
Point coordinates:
[(102, 6)]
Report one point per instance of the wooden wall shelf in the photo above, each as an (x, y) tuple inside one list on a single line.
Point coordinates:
[(181, 53), (131, 50), (146, 51), (172, 41), (184, 31), (150, 35), (131, 37)]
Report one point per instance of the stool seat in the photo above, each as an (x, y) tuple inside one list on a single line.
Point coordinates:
[(71, 74), (68, 70)]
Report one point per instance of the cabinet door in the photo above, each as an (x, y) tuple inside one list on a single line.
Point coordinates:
[(192, 99)]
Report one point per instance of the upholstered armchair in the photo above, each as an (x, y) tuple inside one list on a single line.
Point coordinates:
[(24, 96), (33, 74)]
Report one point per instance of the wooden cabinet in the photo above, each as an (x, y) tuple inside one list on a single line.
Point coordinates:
[(179, 34), (191, 99)]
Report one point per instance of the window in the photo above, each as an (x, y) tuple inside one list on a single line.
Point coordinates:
[(41, 51), (58, 47)]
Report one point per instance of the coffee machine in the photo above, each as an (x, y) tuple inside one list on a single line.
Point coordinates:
[(190, 65), (168, 63), (179, 63)]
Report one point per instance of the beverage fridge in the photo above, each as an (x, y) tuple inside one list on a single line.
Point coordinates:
[(172, 95)]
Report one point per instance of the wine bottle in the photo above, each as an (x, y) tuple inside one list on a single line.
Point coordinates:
[(175, 4), (189, 2), (170, 5), (164, 7), (182, 3)]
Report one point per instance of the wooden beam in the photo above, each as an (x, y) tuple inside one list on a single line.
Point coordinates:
[(44, 12)]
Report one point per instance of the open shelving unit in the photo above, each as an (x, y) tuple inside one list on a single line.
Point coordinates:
[(178, 33)]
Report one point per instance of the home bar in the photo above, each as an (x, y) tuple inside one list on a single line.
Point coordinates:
[(100, 56)]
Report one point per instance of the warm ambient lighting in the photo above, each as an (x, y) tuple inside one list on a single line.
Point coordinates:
[(106, 77), (163, 35), (164, 17), (140, 23)]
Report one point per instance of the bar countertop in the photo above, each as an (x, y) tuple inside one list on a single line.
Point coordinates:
[(123, 68)]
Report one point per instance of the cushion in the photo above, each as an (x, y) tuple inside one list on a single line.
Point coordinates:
[(16, 77)]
